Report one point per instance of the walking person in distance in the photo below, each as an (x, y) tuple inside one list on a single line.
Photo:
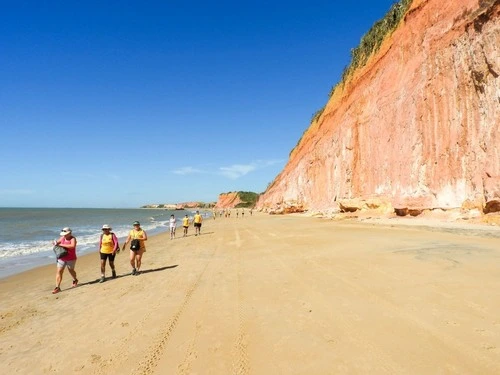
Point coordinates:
[(185, 225), (173, 225), (197, 223)]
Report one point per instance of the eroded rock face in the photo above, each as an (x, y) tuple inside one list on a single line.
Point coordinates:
[(228, 200), (417, 127)]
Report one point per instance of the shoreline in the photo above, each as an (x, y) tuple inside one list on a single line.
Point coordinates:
[(84, 260), (422, 224)]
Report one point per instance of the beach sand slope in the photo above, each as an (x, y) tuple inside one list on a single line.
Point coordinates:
[(267, 295)]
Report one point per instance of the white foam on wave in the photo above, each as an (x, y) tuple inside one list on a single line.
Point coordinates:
[(87, 240)]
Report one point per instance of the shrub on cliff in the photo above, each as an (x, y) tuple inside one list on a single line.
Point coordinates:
[(248, 199), (372, 40)]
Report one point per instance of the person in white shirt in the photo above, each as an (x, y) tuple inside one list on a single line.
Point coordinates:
[(172, 223)]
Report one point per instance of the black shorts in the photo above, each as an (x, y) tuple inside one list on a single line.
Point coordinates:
[(197, 225), (111, 257)]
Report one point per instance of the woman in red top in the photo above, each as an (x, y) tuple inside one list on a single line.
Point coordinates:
[(69, 243)]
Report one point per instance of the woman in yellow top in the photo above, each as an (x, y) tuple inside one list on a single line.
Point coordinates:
[(136, 255), (185, 225), (108, 246), (197, 219)]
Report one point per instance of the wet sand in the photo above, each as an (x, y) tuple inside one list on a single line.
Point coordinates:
[(268, 295)]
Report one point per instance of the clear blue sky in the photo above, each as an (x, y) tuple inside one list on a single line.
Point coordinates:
[(123, 103)]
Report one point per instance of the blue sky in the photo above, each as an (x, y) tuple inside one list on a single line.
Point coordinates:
[(127, 103)]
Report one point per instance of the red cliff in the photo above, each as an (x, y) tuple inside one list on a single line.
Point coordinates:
[(416, 128), (228, 200)]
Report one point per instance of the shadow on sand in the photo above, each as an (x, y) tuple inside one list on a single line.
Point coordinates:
[(96, 281)]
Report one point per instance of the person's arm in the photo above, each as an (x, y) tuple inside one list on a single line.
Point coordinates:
[(58, 242), (100, 244), (145, 237), (70, 245), (115, 242), (126, 242)]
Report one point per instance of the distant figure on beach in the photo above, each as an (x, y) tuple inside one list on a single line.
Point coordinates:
[(185, 225), (214, 213), (172, 223), (136, 255), (242, 213), (69, 243), (237, 213), (251, 211), (197, 223), (108, 246)]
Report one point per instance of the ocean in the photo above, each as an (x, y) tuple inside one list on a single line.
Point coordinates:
[(27, 233)]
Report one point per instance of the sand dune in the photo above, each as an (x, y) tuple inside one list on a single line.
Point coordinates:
[(267, 295)]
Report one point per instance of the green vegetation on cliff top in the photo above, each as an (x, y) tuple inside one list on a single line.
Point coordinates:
[(248, 199), (369, 44)]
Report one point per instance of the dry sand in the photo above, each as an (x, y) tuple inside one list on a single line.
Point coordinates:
[(267, 295)]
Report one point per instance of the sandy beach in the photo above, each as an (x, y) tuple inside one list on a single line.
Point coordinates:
[(268, 295)]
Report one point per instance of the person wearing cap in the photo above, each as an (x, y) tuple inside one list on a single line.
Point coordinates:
[(68, 241), (136, 255), (108, 246)]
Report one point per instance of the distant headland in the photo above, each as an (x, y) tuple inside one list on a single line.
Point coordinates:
[(234, 199)]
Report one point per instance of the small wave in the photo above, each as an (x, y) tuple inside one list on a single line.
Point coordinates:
[(87, 240)]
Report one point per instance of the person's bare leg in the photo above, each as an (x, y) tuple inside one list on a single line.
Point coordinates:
[(132, 259), (59, 276), (103, 267), (73, 274), (138, 259)]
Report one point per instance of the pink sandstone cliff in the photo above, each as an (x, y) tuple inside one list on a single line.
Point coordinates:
[(416, 128), (228, 200)]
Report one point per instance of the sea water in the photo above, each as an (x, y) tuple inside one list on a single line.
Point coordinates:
[(26, 234)]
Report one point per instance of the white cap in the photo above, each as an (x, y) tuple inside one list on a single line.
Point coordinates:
[(65, 231)]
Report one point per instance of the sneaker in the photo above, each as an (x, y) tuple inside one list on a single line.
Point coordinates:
[(137, 273), (56, 290), (134, 271), (102, 279), (113, 274), (75, 283)]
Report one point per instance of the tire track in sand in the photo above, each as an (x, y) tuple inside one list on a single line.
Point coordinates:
[(185, 367), (105, 364), (155, 351), (241, 365)]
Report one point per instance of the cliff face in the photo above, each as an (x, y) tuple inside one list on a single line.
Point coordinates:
[(417, 127), (228, 200)]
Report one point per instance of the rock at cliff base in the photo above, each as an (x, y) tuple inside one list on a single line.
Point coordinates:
[(492, 206)]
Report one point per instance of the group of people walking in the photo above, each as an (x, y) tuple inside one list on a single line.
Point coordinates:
[(227, 213), (197, 220), (109, 247)]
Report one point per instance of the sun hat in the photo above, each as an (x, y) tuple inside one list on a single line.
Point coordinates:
[(136, 223), (106, 226), (65, 231)]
